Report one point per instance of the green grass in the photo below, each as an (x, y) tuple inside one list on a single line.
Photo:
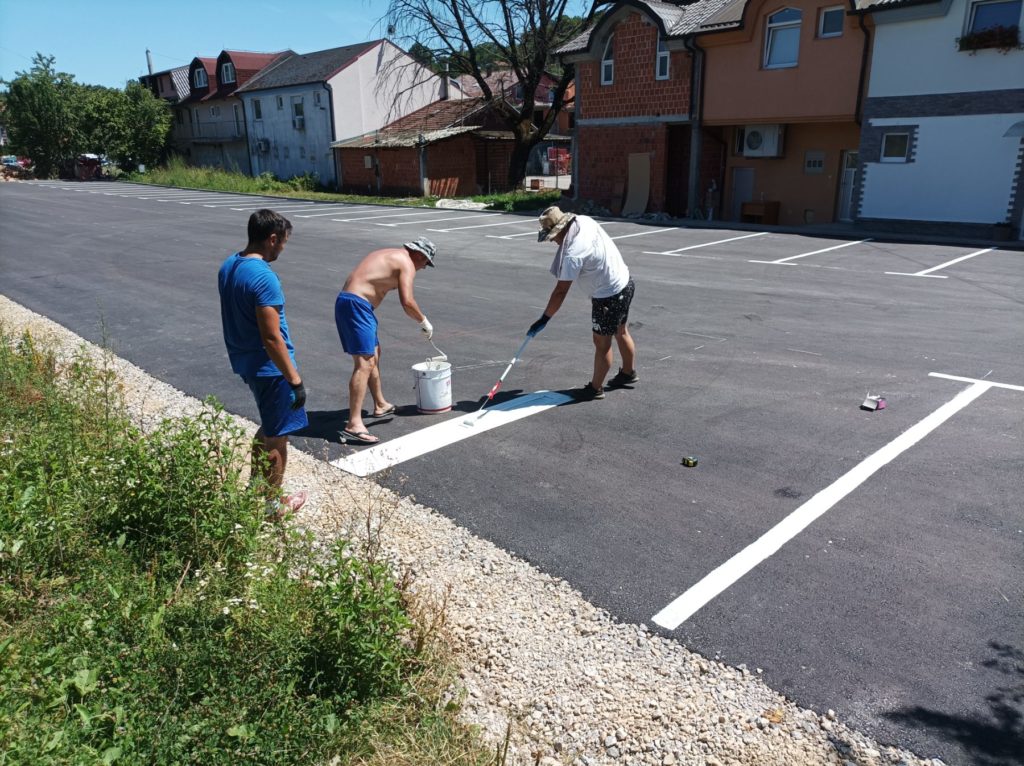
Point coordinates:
[(149, 615), (177, 173)]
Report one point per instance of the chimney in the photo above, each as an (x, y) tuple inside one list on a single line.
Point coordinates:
[(149, 60)]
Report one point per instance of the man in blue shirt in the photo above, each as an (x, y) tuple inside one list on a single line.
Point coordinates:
[(261, 352)]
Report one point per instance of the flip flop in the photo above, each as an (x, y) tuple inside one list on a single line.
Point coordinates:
[(358, 437), (287, 506), (389, 411)]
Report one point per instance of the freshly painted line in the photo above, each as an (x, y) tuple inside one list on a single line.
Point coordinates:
[(908, 274), (799, 351), (682, 608), (1009, 386), (388, 454), (479, 226), (511, 236), (342, 209), (927, 272), (265, 204), (643, 233), (374, 217), (708, 244), (816, 252), (437, 220)]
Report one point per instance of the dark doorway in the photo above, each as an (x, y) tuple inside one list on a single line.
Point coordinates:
[(677, 169)]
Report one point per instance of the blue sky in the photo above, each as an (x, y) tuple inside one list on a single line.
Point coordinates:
[(104, 42)]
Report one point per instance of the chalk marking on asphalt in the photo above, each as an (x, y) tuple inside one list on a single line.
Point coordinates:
[(374, 217), (816, 252), (437, 220), (390, 453), (928, 272), (480, 226), (990, 383), (724, 576), (706, 244)]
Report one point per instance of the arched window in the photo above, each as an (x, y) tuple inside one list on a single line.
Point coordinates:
[(661, 63), (782, 39), (608, 62), (227, 73)]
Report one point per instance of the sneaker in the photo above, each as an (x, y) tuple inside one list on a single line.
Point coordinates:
[(623, 378), (587, 393)]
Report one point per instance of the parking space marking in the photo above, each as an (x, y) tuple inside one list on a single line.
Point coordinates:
[(437, 220), (291, 205), (340, 209), (643, 233), (928, 272), (989, 383), (534, 231), (724, 576), (785, 261), (374, 217), (703, 244), (480, 226), (388, 454)]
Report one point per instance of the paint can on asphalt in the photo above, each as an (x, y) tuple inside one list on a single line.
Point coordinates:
[(432, 381)]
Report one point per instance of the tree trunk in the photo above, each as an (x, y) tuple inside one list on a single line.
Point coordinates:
[(525, 140)]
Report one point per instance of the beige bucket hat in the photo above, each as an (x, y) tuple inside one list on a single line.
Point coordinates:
[(552, 221)]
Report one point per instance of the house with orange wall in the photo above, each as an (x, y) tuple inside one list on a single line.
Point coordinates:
[(783, 88)]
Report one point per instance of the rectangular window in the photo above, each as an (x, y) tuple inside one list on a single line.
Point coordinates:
[(367, 161), (814, 163), (238, 119), (297, 107), (280, 102), (994, 13), (661, 64), (316, 97), (830, 23), (199, 78), (227, 72), (895, 146), (257, 109), (741, 136), (782, 40)]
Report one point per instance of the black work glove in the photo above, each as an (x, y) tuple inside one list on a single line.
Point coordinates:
[(539, 325), (298, 395)]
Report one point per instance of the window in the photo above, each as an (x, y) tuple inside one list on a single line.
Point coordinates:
[(199, 78), (297, 107), (227, 72), (661, 64), (994, 13), (215, 111), (316, 97), (280, 102), (895, 146), (740, 139), (608, 62), (830, 23), (782, 42), (238, 119), (257, 109), (814, 163)]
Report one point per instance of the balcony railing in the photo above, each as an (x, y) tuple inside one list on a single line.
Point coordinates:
[(220, 130)]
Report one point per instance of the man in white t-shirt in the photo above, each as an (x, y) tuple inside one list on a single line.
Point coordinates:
[(587, 255)]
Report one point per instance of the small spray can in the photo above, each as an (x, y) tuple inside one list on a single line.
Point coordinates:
[(689, 462)]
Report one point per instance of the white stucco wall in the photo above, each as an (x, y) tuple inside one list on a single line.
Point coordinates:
[(292, 152), (963, 171), (919, 56)]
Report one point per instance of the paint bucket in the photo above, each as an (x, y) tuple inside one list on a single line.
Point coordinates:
[(432, 381)]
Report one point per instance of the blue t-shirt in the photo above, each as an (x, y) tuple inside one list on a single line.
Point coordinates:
[(244, 284)]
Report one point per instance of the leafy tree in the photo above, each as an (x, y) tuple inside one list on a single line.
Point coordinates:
[(41, 117), (472, 36), (139, 126)]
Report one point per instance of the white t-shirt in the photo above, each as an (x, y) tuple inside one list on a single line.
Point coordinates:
[(588, 256)]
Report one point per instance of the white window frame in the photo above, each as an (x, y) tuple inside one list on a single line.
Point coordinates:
[(972, 13), (894, 158), (608, 62), (821, 21), (199, 78), (774, 27), (227, 72), (257, 110), (662, 57)]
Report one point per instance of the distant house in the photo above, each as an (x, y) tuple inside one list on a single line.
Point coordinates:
[(446, 149), (217, 135), (300, 105), (942, 145), (172, 85)]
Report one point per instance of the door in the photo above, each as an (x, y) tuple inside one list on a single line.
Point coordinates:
[(742, 190), (677, 170), (847, 180)]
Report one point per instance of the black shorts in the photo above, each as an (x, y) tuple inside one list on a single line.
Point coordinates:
[(609, 314)]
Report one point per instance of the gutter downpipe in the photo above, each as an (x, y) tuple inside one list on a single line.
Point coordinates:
[(696, 134), (334, 152), (857, 116)]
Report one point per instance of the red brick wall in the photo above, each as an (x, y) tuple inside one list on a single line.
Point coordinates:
[(604, 151), (399, 171), (634, 91), (451, 167)]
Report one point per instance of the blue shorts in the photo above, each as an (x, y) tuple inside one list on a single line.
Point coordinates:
[(274, 399), (357, 325)]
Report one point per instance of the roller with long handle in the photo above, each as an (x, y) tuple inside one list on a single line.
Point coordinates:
[(494, 389)]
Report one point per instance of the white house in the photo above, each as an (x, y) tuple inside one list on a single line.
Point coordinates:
[(297, 107), (942, 139)]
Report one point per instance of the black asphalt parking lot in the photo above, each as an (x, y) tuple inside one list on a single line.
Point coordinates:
[(899, 602)]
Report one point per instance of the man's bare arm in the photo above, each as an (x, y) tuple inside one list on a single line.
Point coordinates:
[(268, 319), (557, 297), (406, 273)]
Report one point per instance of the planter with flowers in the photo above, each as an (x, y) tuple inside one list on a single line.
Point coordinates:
[(1004, 39)]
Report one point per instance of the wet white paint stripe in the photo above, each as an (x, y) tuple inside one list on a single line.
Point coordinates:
[(642, 233), (716, 582), (389, 215), (518, 222), (438, 220), (387, 454), (816, 252), (993, 384), (707, 244), (928, 272)]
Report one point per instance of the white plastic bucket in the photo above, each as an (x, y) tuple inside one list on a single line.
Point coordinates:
[(433, 384)]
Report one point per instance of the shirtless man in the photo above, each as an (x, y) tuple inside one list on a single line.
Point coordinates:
[(376, 275)]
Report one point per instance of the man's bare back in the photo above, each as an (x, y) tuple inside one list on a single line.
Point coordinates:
[(379, 273)]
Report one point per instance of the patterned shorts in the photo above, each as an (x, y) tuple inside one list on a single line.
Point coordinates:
[(609, 314)]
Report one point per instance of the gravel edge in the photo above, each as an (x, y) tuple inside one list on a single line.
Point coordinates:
[(576, 687)]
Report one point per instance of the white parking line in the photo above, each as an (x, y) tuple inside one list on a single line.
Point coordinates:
[(480, 226), (642, 233), (338, 211), (389, 215), (682, 608), (603, 224), (704, 244), (388, 454), (297, 206), (816, 252), (928, 272), (436, 220)]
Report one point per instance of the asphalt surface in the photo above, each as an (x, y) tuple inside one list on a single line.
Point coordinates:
[(901, 607)]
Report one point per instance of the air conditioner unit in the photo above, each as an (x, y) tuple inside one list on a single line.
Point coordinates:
[(299, 123), (762, 141), (263, 145)]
